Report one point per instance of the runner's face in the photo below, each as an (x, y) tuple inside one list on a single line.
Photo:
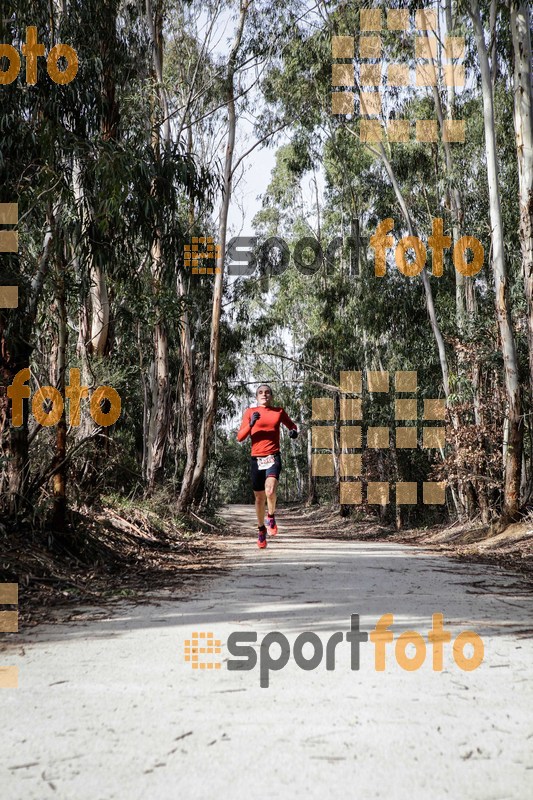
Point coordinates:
[(264, 396)]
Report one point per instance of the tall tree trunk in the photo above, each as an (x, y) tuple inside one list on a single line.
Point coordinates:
[(160, 385), (430, 305), (14, 356), (513, 460), (464, 286), (189, 394), (188, 490), (109, 128), (59, 467), (145, 382), (312, 498), (189, 389), (99, 311), (159, 409), (523, 122), (465, 299), (336, 445), (93, 313)]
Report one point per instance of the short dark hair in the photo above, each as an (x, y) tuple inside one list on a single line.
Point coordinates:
[(264, 386)]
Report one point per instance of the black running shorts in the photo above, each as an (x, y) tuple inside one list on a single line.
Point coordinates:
[(259, 476)]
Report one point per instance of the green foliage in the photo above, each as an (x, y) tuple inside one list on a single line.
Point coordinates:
[(91, 171)]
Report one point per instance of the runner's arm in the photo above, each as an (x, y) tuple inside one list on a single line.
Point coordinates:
[(245, 428)]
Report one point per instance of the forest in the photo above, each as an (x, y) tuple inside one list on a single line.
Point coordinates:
[(394, 235), (266, 399)]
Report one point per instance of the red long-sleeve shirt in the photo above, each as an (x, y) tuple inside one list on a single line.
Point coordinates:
[(265, 432)]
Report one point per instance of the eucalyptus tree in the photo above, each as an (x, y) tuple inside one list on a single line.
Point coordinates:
[(520, 18), (219, 88), (80, 160), (420, 178), (513, 455)]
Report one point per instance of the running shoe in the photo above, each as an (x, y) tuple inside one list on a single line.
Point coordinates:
[(262, 538), (272, 527)]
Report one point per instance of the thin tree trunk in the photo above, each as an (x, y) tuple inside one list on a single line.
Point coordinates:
[(336, 446), (464, 286), (513, 461), (59, 466), (160, 385), (523, 121), (188, 490), (109, 127), (311, 481), (15, 356), (465, 299), (189, 395), (430, 305), (98, 311), (159, 409), (189, 389), (429, 302), (297, 474)]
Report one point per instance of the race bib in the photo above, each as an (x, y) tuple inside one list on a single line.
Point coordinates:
[(264, 462)]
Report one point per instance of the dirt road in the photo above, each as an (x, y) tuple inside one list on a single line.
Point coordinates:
[(110, 709)]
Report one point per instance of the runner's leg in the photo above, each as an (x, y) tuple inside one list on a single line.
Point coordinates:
[(271, 485), (258, 485), (260, 500)]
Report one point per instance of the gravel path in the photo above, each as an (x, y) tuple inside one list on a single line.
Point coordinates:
[(109, 709)]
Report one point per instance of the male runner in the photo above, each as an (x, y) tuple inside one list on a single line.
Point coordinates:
[(262, 423)]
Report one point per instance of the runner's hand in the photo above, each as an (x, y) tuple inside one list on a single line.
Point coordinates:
[(293, 434), (255, 417)]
